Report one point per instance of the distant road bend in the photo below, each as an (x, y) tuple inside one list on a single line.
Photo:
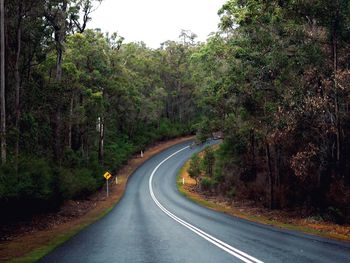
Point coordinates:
[(155, 223)]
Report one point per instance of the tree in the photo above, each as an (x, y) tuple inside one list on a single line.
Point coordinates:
[(194, 171), (81, 12), (209, 161), (78, 100), (2, 84), (177, 79), (273, 79)]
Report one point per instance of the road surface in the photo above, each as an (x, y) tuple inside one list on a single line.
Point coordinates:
[(154, 223)]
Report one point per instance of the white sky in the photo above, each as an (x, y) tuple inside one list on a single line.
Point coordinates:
[(155, 21)]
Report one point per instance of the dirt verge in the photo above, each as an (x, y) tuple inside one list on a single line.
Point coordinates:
[(29, 241)]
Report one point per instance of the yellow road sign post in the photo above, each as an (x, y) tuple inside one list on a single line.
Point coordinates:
[(107, 175)]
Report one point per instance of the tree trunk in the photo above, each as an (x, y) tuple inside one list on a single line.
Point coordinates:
[(277, 166), (18, 83), (101, 141), (2, 84), (270, 176), (57, 113), (252, 143), (335, 69), (59, 24), (277, 198), (70, 124)]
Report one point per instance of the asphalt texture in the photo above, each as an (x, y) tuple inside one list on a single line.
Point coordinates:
[(138, 230)]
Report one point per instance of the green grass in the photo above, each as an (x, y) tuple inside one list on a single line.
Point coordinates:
[(42, 251)]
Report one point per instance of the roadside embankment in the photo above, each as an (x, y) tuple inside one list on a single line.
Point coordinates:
[(244, 209)]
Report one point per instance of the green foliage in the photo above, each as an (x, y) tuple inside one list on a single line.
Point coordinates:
[(204, 130), (262, 86), (274, 83), (208, 184), (194, 171), (31, 189), (168, 130), (111, 101), (208, 161), (32, 182), (72, 158), (78, 183), (122, 88), (118, 153), (231, 193), (40, 186)]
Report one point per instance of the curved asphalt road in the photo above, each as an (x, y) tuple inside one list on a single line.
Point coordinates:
[(155, 223)]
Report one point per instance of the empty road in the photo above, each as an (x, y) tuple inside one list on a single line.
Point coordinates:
[(154, 223)]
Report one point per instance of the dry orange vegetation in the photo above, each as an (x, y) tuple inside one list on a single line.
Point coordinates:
[(247, 210), (74, 215)]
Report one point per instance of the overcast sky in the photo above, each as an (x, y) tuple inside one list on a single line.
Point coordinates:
[(155, 21)]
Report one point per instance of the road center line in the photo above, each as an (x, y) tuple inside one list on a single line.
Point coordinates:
[(217, 242)]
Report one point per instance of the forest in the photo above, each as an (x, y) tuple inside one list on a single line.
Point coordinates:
[(79, 101), (273, 80)]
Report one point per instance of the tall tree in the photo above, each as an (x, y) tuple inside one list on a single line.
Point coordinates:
[(2, 83)]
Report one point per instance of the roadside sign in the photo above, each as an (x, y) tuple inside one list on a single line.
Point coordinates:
[(107, 175)]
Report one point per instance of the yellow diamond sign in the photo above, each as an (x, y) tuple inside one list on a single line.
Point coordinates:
[(107, 175)]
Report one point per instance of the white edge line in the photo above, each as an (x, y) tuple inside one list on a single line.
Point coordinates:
[(224, 246)]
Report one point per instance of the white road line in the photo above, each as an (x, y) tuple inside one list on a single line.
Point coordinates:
[(224, 246)]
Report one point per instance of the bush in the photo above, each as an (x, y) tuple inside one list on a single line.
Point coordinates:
[(72, 158), (167, 129), (40, 185), (208, 161), (208, 184), (78, 183), (204, 129), (336, 215), (194, 171), (231, 193), (33, 181), (29, 190), (117, 153)]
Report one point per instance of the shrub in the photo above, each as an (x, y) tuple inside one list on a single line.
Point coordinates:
[(72, 158), (231, 193), (77, 183), (208, 184), (208, 161), (29, 190), (194, 171), (335, 214), (35, 180), (117, 153)]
